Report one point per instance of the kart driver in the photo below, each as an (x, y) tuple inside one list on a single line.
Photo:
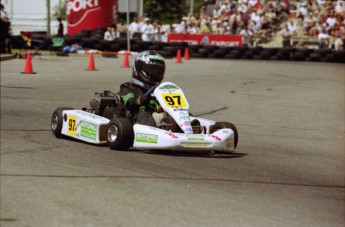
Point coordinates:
[(148, 72)]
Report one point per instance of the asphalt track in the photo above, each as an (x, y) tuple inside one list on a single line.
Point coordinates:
[(288, 169)]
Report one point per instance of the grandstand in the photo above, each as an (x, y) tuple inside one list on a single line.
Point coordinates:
[(316, 31)]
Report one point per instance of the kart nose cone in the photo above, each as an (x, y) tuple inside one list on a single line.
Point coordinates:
[(112, 133)]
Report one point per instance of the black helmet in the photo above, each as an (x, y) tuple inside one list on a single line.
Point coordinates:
[(148, 69)]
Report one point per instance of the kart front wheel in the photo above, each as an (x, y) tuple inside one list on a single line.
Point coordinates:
[(56, 121), (220, 125), (120, 134)]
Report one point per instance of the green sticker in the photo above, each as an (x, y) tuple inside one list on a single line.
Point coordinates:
[(88, 130), (146, 138)]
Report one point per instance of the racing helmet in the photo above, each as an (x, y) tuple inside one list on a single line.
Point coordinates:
[(148, 69)]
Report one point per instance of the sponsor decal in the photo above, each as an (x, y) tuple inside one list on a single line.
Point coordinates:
[(184, 113), (169, 87), (88, 130), (205, 41), (146, 138), (195, 144), (87, 114), (188, 129), (80, 8), (225, 43), (89, 14), (185, 123), (214, 39), (195, 137), (184, 118), (172, 135), (156, 57), (179, 109), (215, 137), (229, 143)]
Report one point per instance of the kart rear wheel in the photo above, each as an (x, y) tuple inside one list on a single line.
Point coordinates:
[(220, 125), (120, 134), (56, 121)]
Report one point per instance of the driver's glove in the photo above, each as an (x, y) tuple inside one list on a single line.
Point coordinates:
[(140, 100)]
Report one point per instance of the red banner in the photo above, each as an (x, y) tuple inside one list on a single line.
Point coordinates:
[(89, 14), (204, 39)]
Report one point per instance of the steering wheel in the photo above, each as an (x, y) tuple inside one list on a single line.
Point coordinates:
[(149, 92)]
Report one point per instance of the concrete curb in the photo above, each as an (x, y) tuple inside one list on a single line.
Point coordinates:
[(7, 57)]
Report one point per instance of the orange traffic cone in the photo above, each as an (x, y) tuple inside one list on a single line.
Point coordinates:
[(178, 56), (28, 65), (125, 61), (91, 66), (186, 54)]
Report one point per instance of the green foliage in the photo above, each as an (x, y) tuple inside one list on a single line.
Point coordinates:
[(60, 10), (169, 11), (165, 11)]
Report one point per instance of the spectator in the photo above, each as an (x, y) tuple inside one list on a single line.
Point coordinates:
[(215, 25), (121, 29), (134, 27), (204, 29), (286, 35), (340, 7), (339, 41), (302, 11), (323, 38), (291, 26), (247, 35), (331, 20), (60, 32), (147, 31), (209, 5), (110, 34), (74, 48), (5, 36), (192, 28), (158, 32)]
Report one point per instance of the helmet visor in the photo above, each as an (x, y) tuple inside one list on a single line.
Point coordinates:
[(154, 72)]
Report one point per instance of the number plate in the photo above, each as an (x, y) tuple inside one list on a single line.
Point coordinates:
[(174, 100), (72, 125)]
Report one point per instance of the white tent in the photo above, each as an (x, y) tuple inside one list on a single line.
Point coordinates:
[(29, 15)]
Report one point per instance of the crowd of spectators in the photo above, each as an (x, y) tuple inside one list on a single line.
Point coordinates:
[(321, 20), (249, 18), (143, 28), (243, 17)]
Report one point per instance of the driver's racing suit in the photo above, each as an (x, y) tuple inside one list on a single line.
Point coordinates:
[(137, 107)]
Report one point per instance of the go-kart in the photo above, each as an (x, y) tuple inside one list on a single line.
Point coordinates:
[(106, 122)]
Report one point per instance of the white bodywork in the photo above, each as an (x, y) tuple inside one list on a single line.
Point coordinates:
[(173, 101), (92, 128), (84, 126)]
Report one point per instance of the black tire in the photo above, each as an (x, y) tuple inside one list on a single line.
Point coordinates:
[(220, 125), (299, 56), (265, 55), (219, 53), (56, 121), (315, 57), (120, 134), (196, 55)]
